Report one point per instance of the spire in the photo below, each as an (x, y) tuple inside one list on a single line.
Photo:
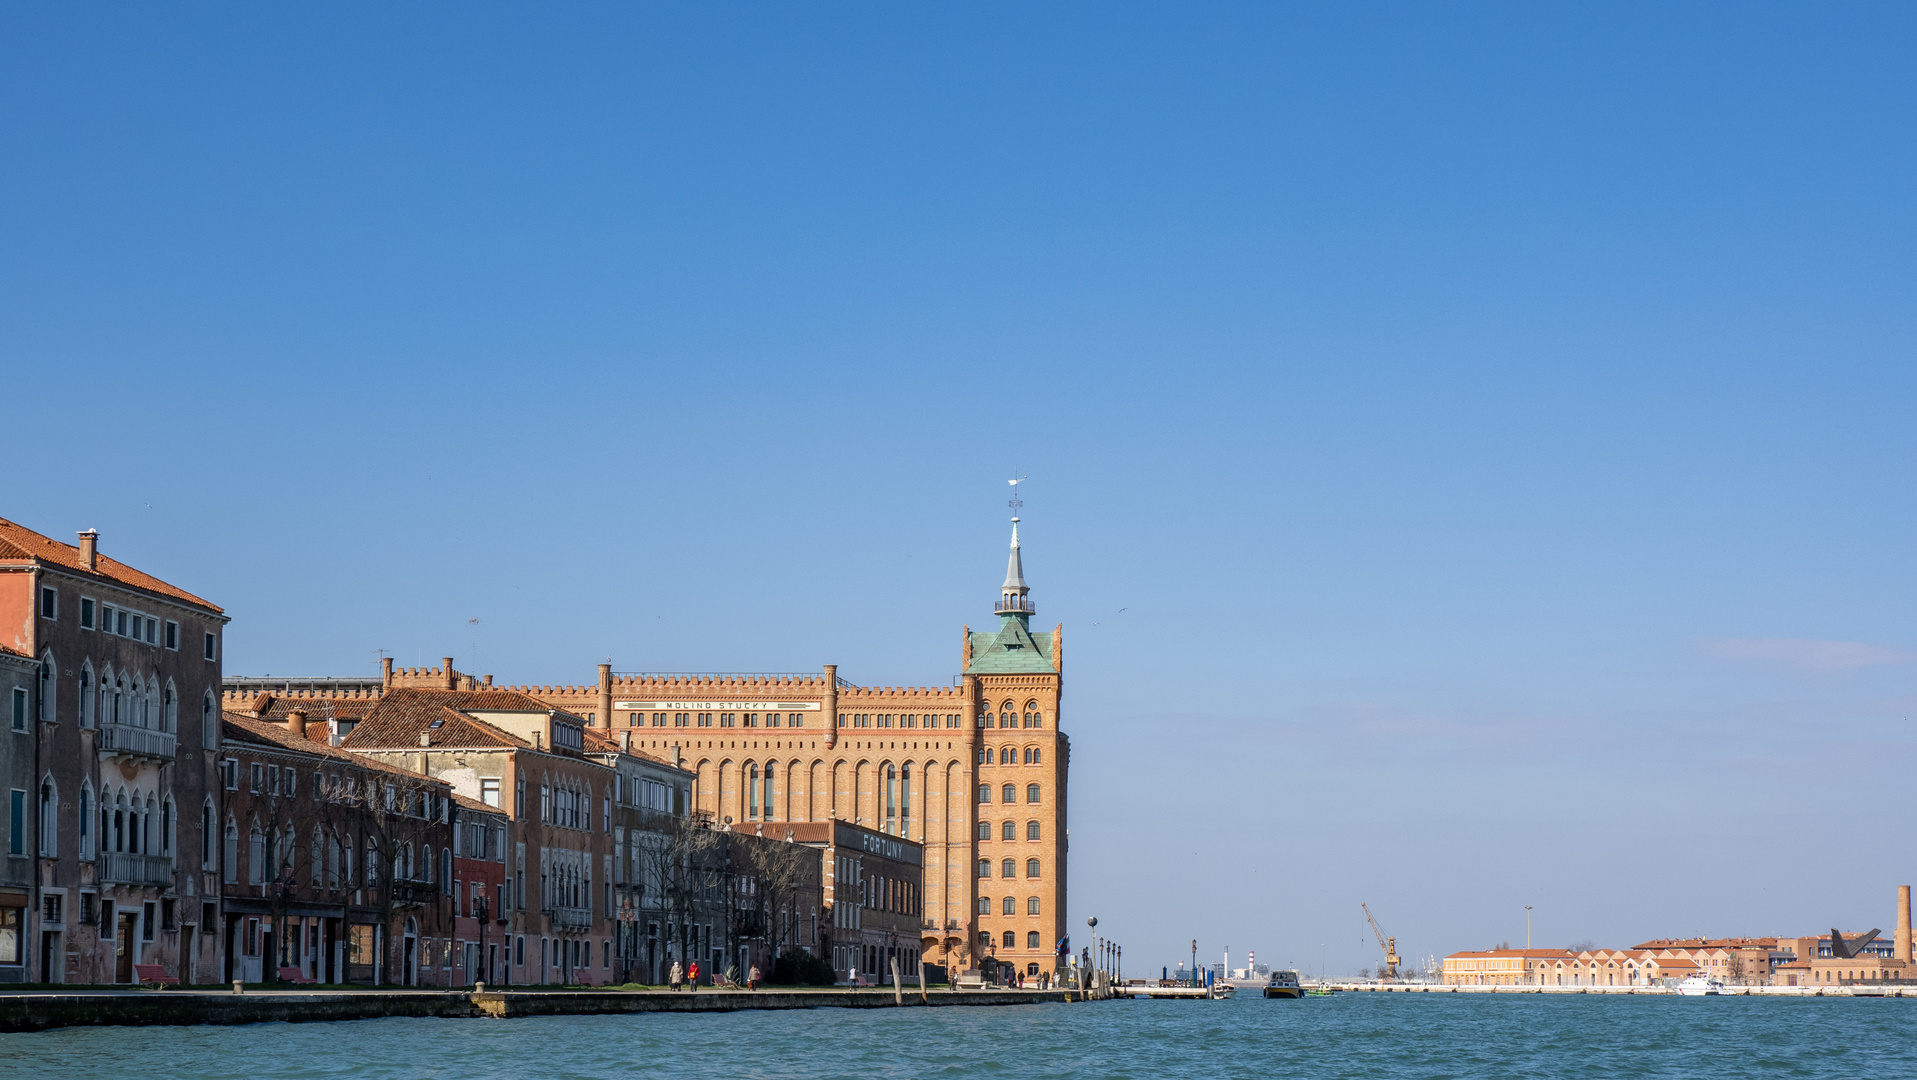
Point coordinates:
[(1014, 601)]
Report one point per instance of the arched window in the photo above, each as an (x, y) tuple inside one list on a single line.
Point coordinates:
[(985, 868), (119, 700), (209, 731), (230, 849), (891, 799), (1031, 830), (86, 819), (169, 708), (1031, 939), (1010, 794), (984, 755), (255, 856), (49, 674), (136, 703), (85, 696), (984, 830), (1031, 868), (1031, 755), (1009, 830), (1010, 906), (208, 842), (1009, 868), (985, 793), (905, 800), (752, 791), (49, 818), (1011, 939), (984, 905), (1031, 793), (1008, 756), (772, 789), (1031, 905)]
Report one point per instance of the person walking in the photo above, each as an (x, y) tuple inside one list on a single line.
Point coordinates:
[(673, 976), (692, 977), (752, 978)]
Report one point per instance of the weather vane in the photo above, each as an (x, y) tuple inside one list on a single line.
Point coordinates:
[(1015, 502)]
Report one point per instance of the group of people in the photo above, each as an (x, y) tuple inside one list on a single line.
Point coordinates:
[(689, 974)]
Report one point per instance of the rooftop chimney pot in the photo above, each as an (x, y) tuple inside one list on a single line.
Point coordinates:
[(296, 722), (90, 548)]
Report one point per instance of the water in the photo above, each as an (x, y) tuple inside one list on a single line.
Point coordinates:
[(1351, 1035)]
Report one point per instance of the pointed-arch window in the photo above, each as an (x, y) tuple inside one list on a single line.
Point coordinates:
[(169, 708), (255, 855), (49, 678), (49, 818), (86, 819), (85, 696)]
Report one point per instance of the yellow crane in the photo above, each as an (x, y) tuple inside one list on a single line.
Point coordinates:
[(1389, 972)]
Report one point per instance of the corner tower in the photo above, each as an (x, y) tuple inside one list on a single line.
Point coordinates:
[(1013, 681)]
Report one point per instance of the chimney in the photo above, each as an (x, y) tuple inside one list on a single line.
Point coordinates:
[(605, 694), (489, 680), (425, 738), (296, 722), (1903, 923), (90, 548), (386, 672), (628, 741), (450, 684), (830, 705)]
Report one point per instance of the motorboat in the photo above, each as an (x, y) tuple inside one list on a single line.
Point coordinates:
[(1284, 984), (1700, 986)]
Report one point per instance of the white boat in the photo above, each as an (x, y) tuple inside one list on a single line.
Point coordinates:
[(1700, 986), (1284, 984), (1220, 990)]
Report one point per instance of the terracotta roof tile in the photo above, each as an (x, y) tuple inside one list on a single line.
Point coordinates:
[(476, 805), (401, 715), (246, 729), (17, 542)]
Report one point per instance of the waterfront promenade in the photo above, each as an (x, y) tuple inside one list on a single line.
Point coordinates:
[(41, 1011), (1614, 991)]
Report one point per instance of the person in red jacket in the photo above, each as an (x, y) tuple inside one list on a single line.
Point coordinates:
[(692, 976)]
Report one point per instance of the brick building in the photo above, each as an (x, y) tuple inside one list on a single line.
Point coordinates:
[(874, 902), (19, 816), (124, 715), (334, 864), (481, 841)]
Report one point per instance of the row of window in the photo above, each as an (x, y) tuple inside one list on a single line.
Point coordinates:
[(1009, 794), (1010, 716), (907, 720), (1008, 868), (1008, 905), (1032, 941), (1009, 755), (123, 622), (724, 719), (127, 823), (1009, 830)]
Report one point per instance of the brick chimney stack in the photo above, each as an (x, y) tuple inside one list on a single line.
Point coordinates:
[(90, 548), (386, 672), (1902, 942), (451, 684), (605, 696), (296, 722), (831, 705)]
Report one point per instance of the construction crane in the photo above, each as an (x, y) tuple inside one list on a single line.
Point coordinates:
[(1389, 972)]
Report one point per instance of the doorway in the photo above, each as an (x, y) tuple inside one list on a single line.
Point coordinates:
[(409, 957), (124, 946), (53, 959)]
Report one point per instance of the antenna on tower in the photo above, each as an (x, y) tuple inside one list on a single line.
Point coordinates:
[(1015, 502)]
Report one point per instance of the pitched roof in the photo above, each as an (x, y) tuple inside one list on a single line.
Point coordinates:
[(599, 742), (399, 718), (234, 727), (475, 805), (17, 542), (1011, 650)]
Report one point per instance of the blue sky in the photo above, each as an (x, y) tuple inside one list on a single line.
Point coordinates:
[(1469, 446)]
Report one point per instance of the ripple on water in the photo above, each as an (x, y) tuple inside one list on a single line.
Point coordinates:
[(1430, 1037)]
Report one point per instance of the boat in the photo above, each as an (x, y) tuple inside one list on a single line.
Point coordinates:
[(1221, 990), (1284, 984), (1700, 986)]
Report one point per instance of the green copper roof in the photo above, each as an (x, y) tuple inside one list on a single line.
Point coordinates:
[(1010, 650)]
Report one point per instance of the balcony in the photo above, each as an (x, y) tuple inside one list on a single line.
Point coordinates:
[(414, 892), (1014, 605), (126, 740), (119, 868), (569, 919)]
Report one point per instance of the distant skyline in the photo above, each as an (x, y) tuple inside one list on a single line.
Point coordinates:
[(1469, 449)]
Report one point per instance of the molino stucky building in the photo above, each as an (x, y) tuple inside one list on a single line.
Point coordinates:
[(976, 772)]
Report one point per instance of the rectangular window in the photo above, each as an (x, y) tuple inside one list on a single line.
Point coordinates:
[(257, 773), (173, 635), (489, 791), (232, 770), (86, 613), (152, 632), (19, 708), (146, 921), (17, 822), (49, 603), (209, 646), (119, 623)]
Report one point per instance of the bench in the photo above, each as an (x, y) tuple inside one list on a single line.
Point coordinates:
[(969, 980), (295, 975), (153, 973)]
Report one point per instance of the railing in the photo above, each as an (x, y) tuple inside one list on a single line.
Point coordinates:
[(122, 868), (138, 742), (570, 918), (414, 891), (765, 676), (1014, 605)]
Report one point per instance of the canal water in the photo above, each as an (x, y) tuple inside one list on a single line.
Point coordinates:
[(1350, 1035)]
